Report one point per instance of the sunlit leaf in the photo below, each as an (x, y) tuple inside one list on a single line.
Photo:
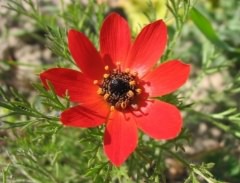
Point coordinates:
[(204, 25)]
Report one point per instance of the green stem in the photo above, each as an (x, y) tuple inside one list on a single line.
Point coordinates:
[(198, 172), (211, 120), (143, 157), (177, 157)]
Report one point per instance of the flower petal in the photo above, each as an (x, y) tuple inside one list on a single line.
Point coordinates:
[(85, 55), (115, 38), (165, 79), (120, 138), (79, 87), (85, 116), (148, 47), (159, 120)]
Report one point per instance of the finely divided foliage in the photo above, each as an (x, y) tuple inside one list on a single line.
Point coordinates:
[(122, 87)]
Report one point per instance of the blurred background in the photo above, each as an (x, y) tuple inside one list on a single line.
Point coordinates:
[(203, 33)]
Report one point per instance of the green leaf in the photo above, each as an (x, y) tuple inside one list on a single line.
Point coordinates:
[(194, 179), (204, 25)]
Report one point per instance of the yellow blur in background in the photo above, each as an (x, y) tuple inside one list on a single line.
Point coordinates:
[(136, 10)]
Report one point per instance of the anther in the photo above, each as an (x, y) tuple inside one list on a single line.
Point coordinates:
[(123, 105), (112, 108), (134, 74), (135, 106), (119, 88), (130, 94), (106, 67), (106, 96), (99, 91), (127, 70), (95, 82), (139, 91), (105, 76), (132, 83)]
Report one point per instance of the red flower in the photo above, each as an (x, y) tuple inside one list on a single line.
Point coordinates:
[(118, 84)]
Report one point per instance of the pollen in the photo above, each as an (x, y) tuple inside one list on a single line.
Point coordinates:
[(105, 76), (95, 82), (134, 74), (106, 67), (112, 108), (124, 105), (106, 96), (99, 91), (130, 94), (127, 70), (134, 106), (139, 91), (132, 83), (119, 88)]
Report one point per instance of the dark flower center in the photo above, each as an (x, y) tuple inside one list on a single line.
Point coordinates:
[(119, 88)]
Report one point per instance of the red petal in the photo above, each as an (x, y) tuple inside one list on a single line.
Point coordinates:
[(148, 47), (120, 138), (168, 77), (85, 116), (115, 38), (79, 87), (159, 120), (85, 55)]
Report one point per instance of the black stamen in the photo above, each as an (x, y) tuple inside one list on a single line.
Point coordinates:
[(117, 85)]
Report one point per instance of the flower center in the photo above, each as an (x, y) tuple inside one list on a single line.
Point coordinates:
[(118, 85), (119, 88)]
